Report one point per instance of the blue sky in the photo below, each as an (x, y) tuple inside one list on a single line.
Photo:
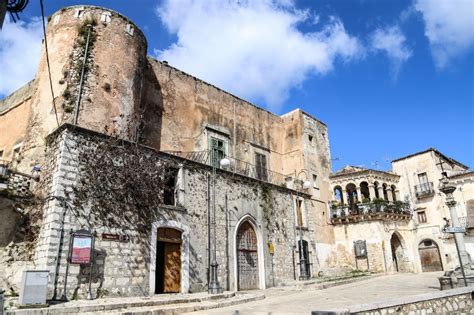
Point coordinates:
[(388, 77)]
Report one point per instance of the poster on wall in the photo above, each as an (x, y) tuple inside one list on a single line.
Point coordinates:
[(81, 249)]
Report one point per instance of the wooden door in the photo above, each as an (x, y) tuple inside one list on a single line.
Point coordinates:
[(172, 268), (168, 261), (429, 256), (247, 258)]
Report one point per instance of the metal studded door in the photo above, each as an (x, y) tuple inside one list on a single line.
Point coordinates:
[(247, 257)]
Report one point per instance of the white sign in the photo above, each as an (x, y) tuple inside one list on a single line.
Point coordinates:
[(454, 229)]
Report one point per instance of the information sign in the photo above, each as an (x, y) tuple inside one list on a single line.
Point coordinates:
[(454, 229), (81, 249)]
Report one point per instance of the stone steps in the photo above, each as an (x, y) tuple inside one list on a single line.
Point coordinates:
[(185, 307), (162, 304)]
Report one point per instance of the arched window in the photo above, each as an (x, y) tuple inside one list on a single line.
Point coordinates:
[(351, 194), (364, 190), (338, 194)]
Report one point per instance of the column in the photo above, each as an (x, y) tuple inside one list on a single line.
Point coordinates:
[(380, 190), (397, 194), (359, 195), (389, 194), (343, 197), (372, 192)]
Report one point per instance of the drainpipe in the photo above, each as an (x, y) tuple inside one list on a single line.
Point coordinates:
[(81, 81), (208, 229), (227, 229)]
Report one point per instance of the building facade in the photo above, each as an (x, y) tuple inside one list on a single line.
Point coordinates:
[(274, 213)]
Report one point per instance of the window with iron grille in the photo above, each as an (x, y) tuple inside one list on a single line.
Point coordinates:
[(261, 166), (421, 216)]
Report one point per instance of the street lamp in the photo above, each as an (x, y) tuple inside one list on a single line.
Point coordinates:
[(214, 286), (456, 229), (300, 186)]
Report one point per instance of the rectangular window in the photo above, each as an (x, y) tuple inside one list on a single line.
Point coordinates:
[(261, 166), (423, 178), (169, 192), (421, 216), (299, 212), (217, 151), (1, 154)]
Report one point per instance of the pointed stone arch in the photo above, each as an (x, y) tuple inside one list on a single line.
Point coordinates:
[(247, 227)]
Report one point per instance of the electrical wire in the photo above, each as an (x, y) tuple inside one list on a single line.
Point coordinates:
[(47, 61)]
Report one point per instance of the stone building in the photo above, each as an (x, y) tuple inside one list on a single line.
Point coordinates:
[(367, 208), (280, 215), (419, 183), (400, 215), (149, 103)]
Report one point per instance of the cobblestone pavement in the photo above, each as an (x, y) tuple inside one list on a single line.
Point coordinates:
[(287, 301)]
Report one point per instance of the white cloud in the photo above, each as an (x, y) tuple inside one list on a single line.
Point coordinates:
[(391, 41), (252, 48), (20, 45), (449, 26)]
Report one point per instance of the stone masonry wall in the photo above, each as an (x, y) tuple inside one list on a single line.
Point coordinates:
[(456, 301), (123, 267)]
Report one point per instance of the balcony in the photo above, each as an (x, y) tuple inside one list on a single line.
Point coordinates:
[(236, 166), (13, 183), (424, 190), (377, 210)]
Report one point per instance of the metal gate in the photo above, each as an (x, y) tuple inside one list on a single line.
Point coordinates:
[(247, 257), (429, 256)]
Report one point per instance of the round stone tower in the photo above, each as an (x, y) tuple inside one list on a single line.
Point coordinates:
[(97, 59)]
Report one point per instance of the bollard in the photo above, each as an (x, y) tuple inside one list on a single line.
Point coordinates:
[(1, 301)]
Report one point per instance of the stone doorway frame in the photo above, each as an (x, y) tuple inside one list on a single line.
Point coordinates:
[(171, 224), (400, 264), (261, 263)]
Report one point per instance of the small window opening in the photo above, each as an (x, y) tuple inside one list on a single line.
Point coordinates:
[(106, 17), (129, 29), (315, 181), (310, 138), (169, 193)]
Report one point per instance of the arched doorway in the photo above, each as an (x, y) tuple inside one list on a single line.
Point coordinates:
[(168, 261), (247, 257), (398, 254), (429, 256)]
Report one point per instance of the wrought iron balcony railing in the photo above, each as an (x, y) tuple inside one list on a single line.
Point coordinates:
[(424, 190), (370, 210), (236, 166)]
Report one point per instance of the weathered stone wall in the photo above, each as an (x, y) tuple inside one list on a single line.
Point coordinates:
[(456, 301), (14, 115), (378, 235), (126, 268), (111, 95)]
